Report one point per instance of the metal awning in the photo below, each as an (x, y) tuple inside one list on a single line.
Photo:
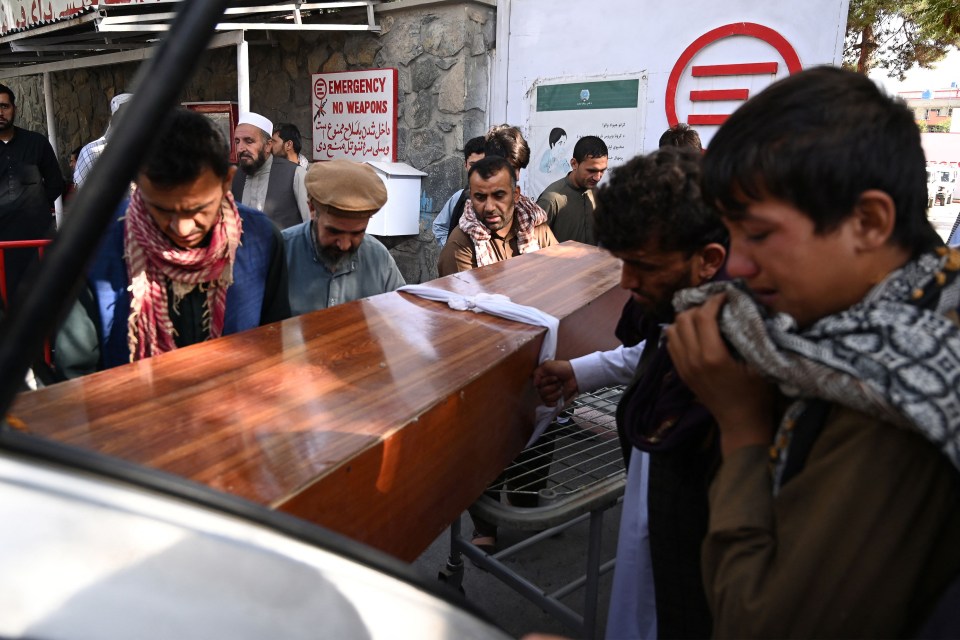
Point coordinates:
[(113, 31)]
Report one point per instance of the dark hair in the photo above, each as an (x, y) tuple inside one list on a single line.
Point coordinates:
[(492, 165), (474, 145), (555, 134), (188, 143), (7, 90), (817, 140), (507, 142), (681, 135), (289, 132), (589, 147), (656, 198), (76, 152)]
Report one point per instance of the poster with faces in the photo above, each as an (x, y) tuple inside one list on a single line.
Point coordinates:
[(563, 112)]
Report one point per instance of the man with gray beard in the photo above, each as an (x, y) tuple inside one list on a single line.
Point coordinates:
[(271, 184), (330, 259)]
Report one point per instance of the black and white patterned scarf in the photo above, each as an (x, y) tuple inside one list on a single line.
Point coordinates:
[(894, 355)]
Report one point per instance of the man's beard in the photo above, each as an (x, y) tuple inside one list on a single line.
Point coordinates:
[(6, 125), (662, 310), (254, 164), (333, 257)]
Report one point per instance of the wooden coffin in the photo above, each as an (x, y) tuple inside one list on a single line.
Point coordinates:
[(382, 419)]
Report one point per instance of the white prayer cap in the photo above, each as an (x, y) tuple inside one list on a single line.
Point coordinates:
[(257, 120), (118, 100)]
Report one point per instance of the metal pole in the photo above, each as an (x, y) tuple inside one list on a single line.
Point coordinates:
[(593, 576), (243, 74), (53, 287), (52, 134)]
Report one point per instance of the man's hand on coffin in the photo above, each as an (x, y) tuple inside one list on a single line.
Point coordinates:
[(740, 400), (555, 380)]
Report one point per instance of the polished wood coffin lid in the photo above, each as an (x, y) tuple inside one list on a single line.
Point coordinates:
[(382, 419)]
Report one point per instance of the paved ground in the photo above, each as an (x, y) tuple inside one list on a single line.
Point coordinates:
[(550, 564), (585, 468)]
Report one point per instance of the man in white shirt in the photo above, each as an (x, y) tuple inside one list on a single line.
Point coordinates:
[(91, 151)]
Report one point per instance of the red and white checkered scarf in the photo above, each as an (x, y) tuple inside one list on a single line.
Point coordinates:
[(527, 216), (154, 264)]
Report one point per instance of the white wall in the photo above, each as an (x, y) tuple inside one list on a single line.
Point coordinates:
[(555, 40)]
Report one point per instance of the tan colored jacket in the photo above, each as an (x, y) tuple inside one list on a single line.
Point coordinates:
[(459, 253)]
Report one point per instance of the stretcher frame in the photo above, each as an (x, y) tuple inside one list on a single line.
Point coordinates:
[(586, 478)]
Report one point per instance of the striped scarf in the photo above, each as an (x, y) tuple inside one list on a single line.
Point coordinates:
[(154, 264), (527, 216)]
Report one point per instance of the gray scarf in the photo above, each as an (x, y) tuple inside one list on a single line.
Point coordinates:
[(894, 355)]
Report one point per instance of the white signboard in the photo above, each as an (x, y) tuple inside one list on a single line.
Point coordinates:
[(564, 112), (701, 58), (355, 115)]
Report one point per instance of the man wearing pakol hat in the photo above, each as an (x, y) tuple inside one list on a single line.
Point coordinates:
[(91, 151), (330, 259), (180, 263), (271, 184)]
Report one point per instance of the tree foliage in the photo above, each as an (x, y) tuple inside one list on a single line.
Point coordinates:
[(896, 34)]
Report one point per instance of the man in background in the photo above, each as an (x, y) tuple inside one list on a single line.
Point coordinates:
[(30, 183), (449, 216), (266, 182), (498, 223), (286, 143), (93, 150), (681, 135), (571, 200)]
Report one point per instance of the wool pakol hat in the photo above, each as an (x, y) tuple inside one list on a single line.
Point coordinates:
[(257, 120), (350, 189)]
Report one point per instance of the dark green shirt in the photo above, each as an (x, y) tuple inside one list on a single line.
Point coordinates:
[(569, 211)]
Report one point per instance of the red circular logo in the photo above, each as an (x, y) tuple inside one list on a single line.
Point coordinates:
[(320, 88), (750, 29)]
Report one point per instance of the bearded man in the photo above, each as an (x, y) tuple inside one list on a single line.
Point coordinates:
[(499, 224), (181, 262), (30, 182), (652, 217), (331, 260), (267, 182)]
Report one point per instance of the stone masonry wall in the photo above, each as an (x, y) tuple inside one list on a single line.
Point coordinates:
[(442, 54)]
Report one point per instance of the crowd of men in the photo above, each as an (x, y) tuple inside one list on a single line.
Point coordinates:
[(791, 350)]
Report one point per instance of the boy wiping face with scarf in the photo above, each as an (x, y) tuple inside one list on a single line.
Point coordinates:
[(832, 368)]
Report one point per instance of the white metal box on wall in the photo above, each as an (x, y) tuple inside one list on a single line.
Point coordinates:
[(401, 215)]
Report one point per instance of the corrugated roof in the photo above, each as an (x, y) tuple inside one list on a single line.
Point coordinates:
[(66, 35)]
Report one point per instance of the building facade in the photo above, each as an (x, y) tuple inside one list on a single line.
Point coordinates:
[(443, 52)]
